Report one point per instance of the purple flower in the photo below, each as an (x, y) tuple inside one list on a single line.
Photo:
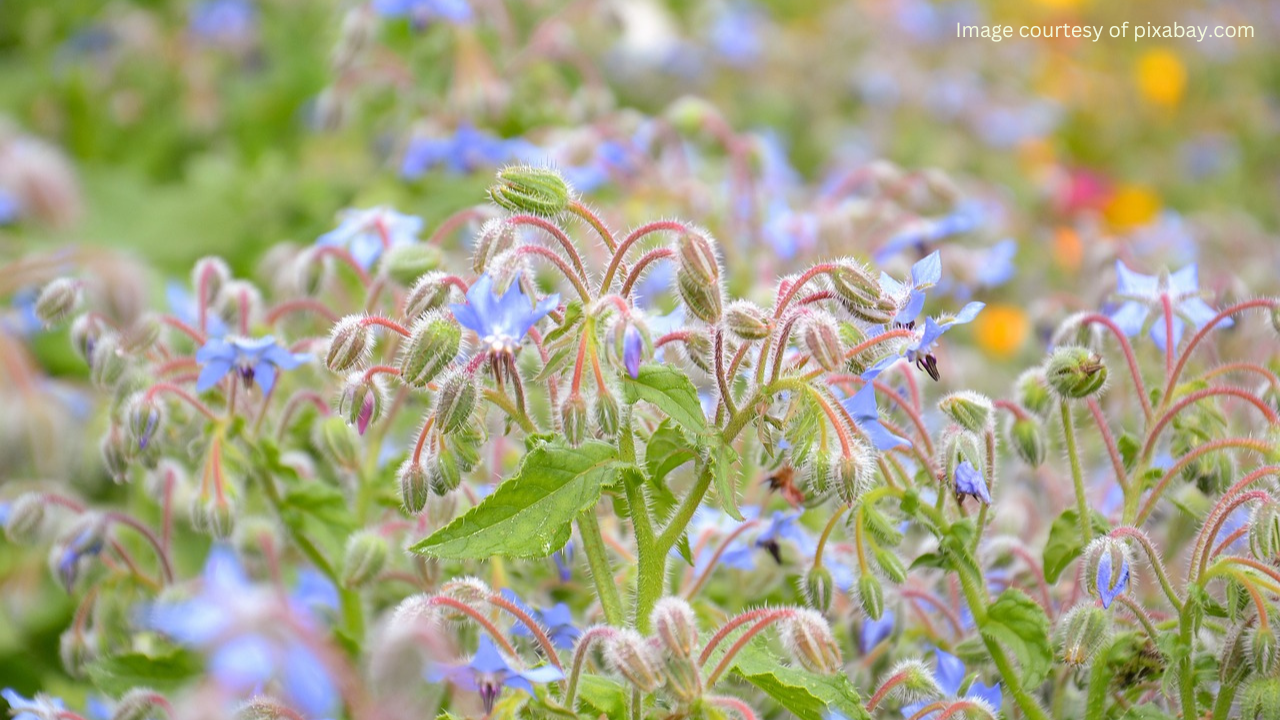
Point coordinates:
[(632, 347), (256, 360), (861, 406), (1144, 297), (874, 632), (368, 233), (969, 481), (488, 673), (556, 620), (788, 231), (735, 34), (88, 543), (950, 675), (501, 322), (41, 707), (1110, 582), (920, 349)]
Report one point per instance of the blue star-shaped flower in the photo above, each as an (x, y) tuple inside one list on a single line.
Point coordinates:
[(861, 406), (968, 481), (488, 673), (874, 632), (920, 349), (950, 675), (42, 706), (501, 322), (557, 620), (255, 359), (925, 273), (632, 350), (369, 233), (1109, 581), (1144, 295)]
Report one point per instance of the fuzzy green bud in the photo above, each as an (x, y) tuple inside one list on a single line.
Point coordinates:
[(861, 295), (853, 473), (57, 300), (533, 190), (698, 278), (810, 641), (349, 343), (821, 337), (109, 362), (573, 419), (361, 401), (635, 659), (433, 344), (455, 401), (428, 293), (683, 679), (890, 564), (1083, 632), (85, 332), (747, 320), (26, 518), (406, 263), (970, 410), (817, 475), (415, 487), (819, 589), (1261, 699), (1033, 391), (213, 515), (76, 651), (366, 556), (117, 453), (496, 237), (871, 595), (1075, 373), (1028, 439), (1264, 650), (675, 625), (443, 474), (606, 412)]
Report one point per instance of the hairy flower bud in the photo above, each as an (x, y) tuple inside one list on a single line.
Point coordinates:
[(366, 556), (861, 295), (117, 453), (853, 473), (632, 657), (264, 707), (747, 320), (533, 190), (443, 474), (1083, 632), (684, 681), (606, 413), (496, 237), (76, 651), (1027, 437), (698, 278), (140, 704), (361, 400), (57, 300), (349, 343), (1033, 391), (676, 626), (818, 475), (85, 331), (1261, 699), (433, 344), (808, 638), (871, 595), (26, 518), (573, 419), (415, 488), (1075, 373), (821, 337), (428, 293), (890, 564), (406, 263), (144, 415), (213, 515), (819, 588), (109, 362)]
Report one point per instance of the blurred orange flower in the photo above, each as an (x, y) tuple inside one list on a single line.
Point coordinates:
[(1001, 330), (1161, 77)]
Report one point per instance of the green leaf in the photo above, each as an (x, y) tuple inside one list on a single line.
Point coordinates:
[(721, 463), (671, 391), (807, 695), (572, 316), (1129, 447), (529, 515), (323, 502), (667, 449), (1064, 543), (603, 695), (118, 674), (1019, 623)]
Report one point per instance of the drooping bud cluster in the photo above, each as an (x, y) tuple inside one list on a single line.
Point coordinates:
[(970, 410), (638, 660), (349, 343), (821, 337), (747, 320)]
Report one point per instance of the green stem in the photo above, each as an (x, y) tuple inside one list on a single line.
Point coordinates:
[(1226, 696), (1186, 676), (686, 510), (601, 574), (652, 561), (1077, 477), (1099, 683)]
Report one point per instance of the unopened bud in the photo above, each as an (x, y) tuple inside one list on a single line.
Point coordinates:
[(406, 263), (822, 338), (208, 276), (455, 401), (117, 453), (26, 518), (142, 335), (264, 708), (109, 362), (144, 416), (606, 413), (632, 657), (890, 564), (917, 681), (683, 679), (1261, 699), (415, 488), (57, 300), (443, 474), (861, 295), (1075, 373), (808, 637), (496, 237), (818, 475), (428, 293), (213, 515), (76, 651), (361, 400), (573, 419), (533, 190), (1033, 391), (349, 343), (85, 331), (1028, 438), (366, 556), (1084, 630), (871, 595), (819, 588), (853, 472), (676, 626), (141, 704), (970, 410), (239, 303), (433, 344), (698, 278), (1264, 531), (747, 320)]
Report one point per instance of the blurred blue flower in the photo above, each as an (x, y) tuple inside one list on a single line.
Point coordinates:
[(255, 359), (968, 481), (563, 559), (22, 321), (488, 673), (787, 231), (924, 232), (736, 33), (995, 267), (950, 674), (463, 153), (556, 620), (87, 543), (225, 22), (42, 707), (183, 306), (501, 322), (920, 350), (861, 406), (10, 208), (632, 349), (1143, 297), (874, 632), (422, 12), (368, 233), (1111, 581)]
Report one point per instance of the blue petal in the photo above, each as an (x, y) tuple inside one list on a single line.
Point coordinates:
[(927, 271), (487, 658), (308, 683), (967, 313), (1130, 317), (911, 310), (950, 673), (1185, 281), (264, 373), (989, 693), (1129, 282), (1198, 313), (212, 373), (467, 318)]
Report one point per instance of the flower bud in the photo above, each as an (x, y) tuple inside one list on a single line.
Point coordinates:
[(213, 515), (361, 401), (1264, 531), (337, 442), (366, 556), (443, 473), (818, 475), (26, 518), (689, 113), (683, 679), (455, 401), (918, 681), (415, 487), (1107, 568), (853, 474), (141, 704), (808, 638), (109, 362), (1028, 439), (819, 588), (1033, 391), (428, 293), (1074, 373), (208, 276), (264, 707), (628, 654), (861, 295), (890, 564), (533, 190), (698, 278), (433, 344), (970, 410), (1264, 651), (1261, 699), (573, 419), (85, 331), (117, 453), (675, 626), (606, 412), (144, 416), (821, 337), (496, 237), (697, 347), (57, 300), (349, 343), (871, 595), (747, 320), (80, 542), (406, 263), (239, 303), (142, 335), (1083, 632), (76, 651)]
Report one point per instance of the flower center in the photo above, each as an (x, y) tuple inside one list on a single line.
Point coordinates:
[(500, 342)]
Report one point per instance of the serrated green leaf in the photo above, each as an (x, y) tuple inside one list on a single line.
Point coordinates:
[(603, 695), (1019, 623), (721, 464), (1064, 544), (118, 674), (668, 448), (807, 695), (671, 391), (529, 515)]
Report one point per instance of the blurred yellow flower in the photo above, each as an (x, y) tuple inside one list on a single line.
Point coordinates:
[(1161, 76), (1131, 206), (1001, 330)]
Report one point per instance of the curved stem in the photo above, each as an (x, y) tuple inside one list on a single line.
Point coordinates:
[(1260, 446), (601, 574), (1077, 476)]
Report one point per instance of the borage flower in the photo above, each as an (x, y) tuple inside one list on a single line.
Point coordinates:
[(1111, 581), (489, 672), (969, 482), (925, 273), (950, 675), (41, 707), (861, 406), (920, 349), (1144, 298), (369, 233), (255, 359), (500, 321)]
